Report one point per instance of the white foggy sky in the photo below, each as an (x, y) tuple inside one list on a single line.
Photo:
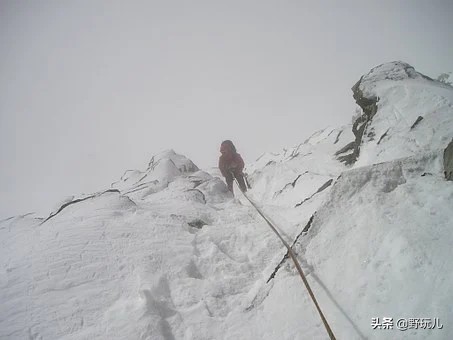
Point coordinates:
[(89, 89)]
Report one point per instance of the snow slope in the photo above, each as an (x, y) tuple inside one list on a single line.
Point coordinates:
[(168, 253)]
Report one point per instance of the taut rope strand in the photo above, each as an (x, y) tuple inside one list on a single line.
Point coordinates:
[(296, 263)]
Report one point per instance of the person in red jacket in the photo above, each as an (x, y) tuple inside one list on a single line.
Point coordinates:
[(231, 165)]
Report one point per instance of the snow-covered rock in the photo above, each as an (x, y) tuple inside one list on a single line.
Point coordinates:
[(162, 168), (448, 161), (404, 113)]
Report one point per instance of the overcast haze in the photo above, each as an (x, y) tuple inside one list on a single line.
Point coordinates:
[(89, 89)]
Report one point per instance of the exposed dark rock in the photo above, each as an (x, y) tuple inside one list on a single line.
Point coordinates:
[(419, 119), (286, 256), (282, 190), (383, 136), (322, 188), (142, 178), (371, 134), (346, 148), (307, 226), (448, 161), (369, 108), (77, 201), (111, 190), (152, 163), (66, 205), (270, 163), (338, 137), (191, 167), (74, 202), (278, 267), (294, 153), (199, 195), (292, 184), (391, 71), (197, 223)]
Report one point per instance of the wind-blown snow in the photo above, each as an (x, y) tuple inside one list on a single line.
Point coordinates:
[(168, 253)]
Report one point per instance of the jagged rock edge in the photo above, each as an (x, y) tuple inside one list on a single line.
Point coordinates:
[(286, 256), (320, 189), (293, 184), (78, 200), (418, 120)]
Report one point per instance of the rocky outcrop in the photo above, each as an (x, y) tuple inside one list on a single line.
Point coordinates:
[(286, 256), (197, 223), (289, 185), (448, 161), (322, 188), (65, 205), (182, 163), (364, 93), (163, 168), (419, 119), (369, 108)]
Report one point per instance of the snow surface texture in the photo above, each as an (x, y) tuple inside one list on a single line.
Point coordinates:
[(405, 97), (168, 253)]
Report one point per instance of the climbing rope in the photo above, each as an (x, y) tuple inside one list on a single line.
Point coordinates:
[(296, 262)]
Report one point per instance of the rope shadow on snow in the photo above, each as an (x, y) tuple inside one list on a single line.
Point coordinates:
[(331, 297)]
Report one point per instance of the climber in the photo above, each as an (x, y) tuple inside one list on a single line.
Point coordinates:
[(231, 165)]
